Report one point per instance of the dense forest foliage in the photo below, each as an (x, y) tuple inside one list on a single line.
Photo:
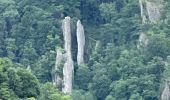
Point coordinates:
[(115, 68)]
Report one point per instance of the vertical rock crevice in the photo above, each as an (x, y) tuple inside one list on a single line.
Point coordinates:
[(80, 42)]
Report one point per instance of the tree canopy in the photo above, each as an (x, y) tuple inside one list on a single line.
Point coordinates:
[(115, 67)]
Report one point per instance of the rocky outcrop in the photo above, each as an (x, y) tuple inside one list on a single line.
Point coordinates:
[(166, 92), (80, 42), (143, 40), (60, 59), (64, 68), (150, 11), (68, 68), (150, 14), (143, 16), (153, 10)]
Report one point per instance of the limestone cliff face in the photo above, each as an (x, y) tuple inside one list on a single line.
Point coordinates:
[(166, 92), (143, 16), (60, 59), (80, 42), (67, 35), (153, 10), (150, 14), (143, 40), (150, 11), (68, 65), (64, 60), (165, 95)]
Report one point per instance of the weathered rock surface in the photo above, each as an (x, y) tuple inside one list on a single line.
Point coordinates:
[(143, 16), (68, 69), (150, 11), (60, 59), (80, 42), (166, 92), (143, 40), (153, 10)]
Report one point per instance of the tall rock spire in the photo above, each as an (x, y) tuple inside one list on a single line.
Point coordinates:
[(80, 42), (64, 60), (68, 69), (67, 35)]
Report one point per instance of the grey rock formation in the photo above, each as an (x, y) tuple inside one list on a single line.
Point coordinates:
[(143, 16), (153, 10), (150, 11), (67, 76), (67, 35), (64, 60), (80, 42), (143, 40), (68, 69), (142, 37), (166, 92), (60, 59)]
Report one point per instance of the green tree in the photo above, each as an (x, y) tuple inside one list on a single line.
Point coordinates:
[(158, 45), (83, 77), (82, 95), (50, 92), (29, 84), (4, 91)]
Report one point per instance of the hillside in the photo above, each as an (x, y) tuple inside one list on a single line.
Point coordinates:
[(84, 49)]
